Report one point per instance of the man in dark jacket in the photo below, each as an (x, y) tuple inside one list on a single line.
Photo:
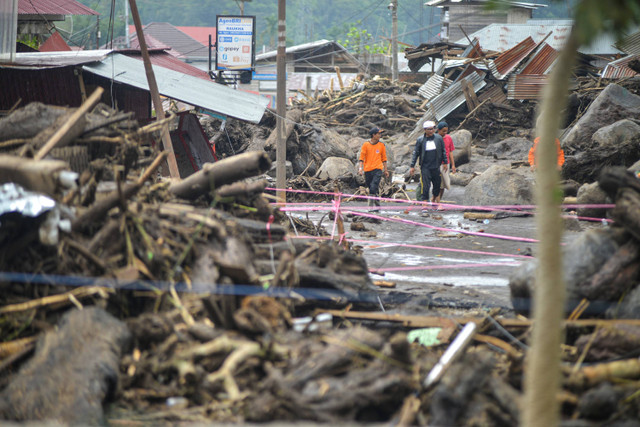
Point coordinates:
[(430, 152)]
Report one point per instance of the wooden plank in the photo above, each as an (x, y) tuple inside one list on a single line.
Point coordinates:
[(339, 79), (469, 94)]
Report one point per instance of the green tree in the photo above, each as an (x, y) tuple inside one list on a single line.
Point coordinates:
[(359, 40)]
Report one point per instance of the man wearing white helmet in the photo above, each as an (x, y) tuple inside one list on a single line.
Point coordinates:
[(431, 153)]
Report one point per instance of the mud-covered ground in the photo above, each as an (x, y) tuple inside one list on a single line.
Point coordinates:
[(440, 260)]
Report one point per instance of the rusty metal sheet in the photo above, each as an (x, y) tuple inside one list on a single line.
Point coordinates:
[(619, 68), (53, 7), (526, 86), (509, 60), (494, 93), (542, 61), (474, 50)]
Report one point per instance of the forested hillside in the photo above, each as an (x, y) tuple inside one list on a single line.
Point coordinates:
[(347, 21)]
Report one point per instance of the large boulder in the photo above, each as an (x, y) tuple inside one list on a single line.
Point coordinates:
[(617, 144), (462, 142), (592, 194), (613, 104), (499, 185), (581, 259), (336, 168), (514, 148), (318, 144)]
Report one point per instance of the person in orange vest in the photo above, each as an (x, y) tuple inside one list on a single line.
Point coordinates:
[(373, 163), (532, 154)]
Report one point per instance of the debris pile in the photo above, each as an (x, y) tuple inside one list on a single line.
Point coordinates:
[(177, 301)]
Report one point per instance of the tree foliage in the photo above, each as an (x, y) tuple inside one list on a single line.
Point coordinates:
[(360, 41)]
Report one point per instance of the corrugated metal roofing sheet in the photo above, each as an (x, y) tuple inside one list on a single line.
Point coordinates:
[(525, 5), (631, 44), (55, 43), (291, 49), (163, 59), (509, 60), (57, 86), (442, 105), (182, 87), (501, 37), (494, 93), (474, 50), (53, 7), (541, 62), (526, 86), (619, 68), (434, 86), (56, 59)]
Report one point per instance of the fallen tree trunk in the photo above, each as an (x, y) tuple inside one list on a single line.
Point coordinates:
[(242, 188), (39, 176), (75, 369), (225, 171)]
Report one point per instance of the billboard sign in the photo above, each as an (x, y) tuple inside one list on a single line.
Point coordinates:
[(236, 41)]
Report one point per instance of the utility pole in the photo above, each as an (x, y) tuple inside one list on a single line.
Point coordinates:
[(241, 6), (126, 24), (153, 88), (393, 6), (281, 103)]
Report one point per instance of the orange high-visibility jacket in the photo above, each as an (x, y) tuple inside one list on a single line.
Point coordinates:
[(532, 152)]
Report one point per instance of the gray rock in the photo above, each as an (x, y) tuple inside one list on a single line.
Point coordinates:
[(582, 258), (613, 104), (592, 194), (499, 185), (619, 133), (461, 178), (335, 168), (462, 142), (511, 148)]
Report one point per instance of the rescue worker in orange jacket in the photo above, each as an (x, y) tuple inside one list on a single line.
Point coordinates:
[(532, 154)]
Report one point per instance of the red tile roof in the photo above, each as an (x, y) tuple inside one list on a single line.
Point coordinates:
[(53, 7), (200, 34)]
